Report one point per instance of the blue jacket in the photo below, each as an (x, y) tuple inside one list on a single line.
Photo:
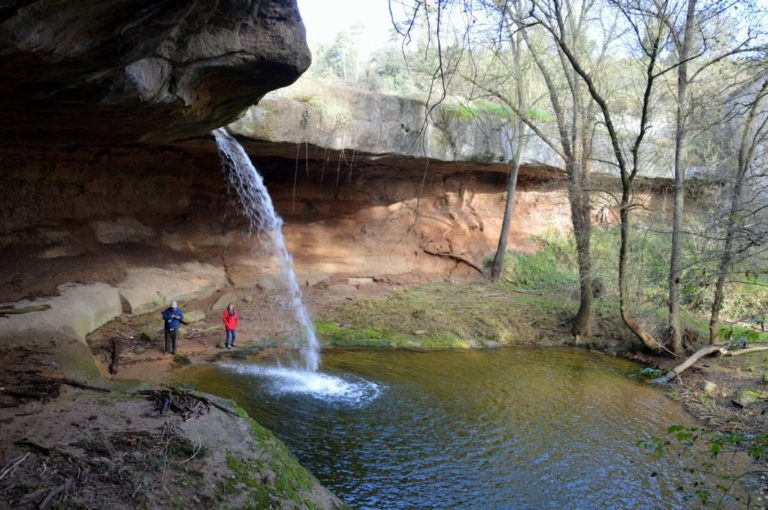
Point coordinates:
[(172, 317)]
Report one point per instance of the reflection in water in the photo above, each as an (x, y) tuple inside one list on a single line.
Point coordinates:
[(510, 428)]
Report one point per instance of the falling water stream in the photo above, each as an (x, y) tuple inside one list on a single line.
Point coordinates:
[(268, 225)]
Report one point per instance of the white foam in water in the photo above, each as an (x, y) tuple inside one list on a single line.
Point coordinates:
[(348, 390)]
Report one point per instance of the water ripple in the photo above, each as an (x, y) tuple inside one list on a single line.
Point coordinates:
[(517, 428)]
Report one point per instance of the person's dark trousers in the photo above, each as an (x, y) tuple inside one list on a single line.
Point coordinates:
[(170, 340), (230, 334)]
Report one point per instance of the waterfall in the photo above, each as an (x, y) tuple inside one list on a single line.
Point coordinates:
[(268, 225)]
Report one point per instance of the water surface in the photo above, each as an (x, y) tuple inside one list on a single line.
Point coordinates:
[(508, 428)]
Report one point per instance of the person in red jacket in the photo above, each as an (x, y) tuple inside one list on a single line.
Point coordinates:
[(230, 318)]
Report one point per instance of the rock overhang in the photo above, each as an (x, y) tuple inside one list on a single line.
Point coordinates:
[(118, 72)]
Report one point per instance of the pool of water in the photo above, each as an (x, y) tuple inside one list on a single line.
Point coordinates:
[(506, 428)]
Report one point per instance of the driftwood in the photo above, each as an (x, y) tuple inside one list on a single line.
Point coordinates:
[(449, 255), (70, 382), (689, 362), (184, 403), (116, 348), (12, 310), (12, 464), (721, 349), (746, 351), (53, 492)]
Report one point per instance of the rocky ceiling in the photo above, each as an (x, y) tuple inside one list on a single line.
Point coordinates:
[(129, 71)]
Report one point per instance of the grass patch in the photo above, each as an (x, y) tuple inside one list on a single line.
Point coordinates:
[(552, 268), (446, 316)]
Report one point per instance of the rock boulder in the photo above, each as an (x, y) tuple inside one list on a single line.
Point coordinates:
[(77, 310), (124, 71)]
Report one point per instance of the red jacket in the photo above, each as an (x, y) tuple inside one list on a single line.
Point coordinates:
[(230, 321)]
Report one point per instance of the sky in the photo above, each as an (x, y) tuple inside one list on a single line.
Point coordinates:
[(323, 19)]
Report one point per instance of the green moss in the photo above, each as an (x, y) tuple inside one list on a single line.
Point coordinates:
[(274, 475), (340, 335), (536, 114), (474, 109)]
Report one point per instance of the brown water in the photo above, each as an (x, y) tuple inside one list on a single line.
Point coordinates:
[(507, 428)]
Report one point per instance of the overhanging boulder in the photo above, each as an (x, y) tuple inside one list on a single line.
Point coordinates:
[(124, 71)]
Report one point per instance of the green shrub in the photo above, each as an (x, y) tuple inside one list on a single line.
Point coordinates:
[(551, 268)]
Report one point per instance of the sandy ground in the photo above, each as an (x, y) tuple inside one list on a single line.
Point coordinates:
[(264, 326)]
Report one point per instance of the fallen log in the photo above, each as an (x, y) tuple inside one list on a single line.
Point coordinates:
[(746, 351), (688, 362)]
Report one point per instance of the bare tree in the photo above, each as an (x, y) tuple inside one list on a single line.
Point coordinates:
[(696, 30), (492, 61), (575, 125), (753, 134), (519, 103), (572, 107), (683, 44), (650, 37)]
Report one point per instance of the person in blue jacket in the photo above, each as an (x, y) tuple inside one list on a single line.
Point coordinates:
[(173, 316)]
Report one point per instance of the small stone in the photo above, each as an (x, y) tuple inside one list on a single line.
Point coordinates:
[(149, 332), (223, 302), (248, 299), (420, 332), (747, 398), (709, 387), (194, 316)]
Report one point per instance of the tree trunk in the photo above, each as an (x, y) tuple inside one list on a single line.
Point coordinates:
[(644, 335), (521, 132), (681, 139), (509, 210), (581, 324), (724, 265)]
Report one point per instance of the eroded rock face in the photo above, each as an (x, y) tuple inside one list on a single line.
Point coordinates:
[(374, 126), (123, 71)]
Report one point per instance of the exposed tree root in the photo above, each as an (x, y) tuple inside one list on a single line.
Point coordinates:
[(460, 258)]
